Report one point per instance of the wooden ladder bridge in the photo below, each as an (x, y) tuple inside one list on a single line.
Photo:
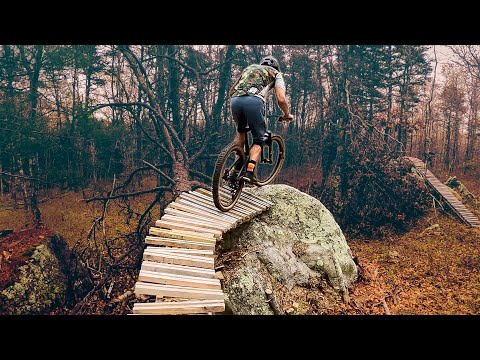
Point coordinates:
[(447, 194), (178, 262)]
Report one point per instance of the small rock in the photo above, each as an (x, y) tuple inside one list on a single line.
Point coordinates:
[(295, 305), (290, 310), (268, 291), (434, 226), (393, 254)]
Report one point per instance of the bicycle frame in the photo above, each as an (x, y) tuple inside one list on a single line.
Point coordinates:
[(267, 143)]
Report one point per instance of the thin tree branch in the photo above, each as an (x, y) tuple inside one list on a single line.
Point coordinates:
[(103, 198), (169, 179)]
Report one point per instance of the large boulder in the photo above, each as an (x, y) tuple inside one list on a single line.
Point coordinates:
[(34, 274), (297, 243)]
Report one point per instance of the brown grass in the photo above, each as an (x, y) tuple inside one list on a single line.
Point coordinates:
[(68, 215), (422, 271)]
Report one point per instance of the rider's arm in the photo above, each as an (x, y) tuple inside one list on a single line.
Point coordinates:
[(280, 95), (282, 101)]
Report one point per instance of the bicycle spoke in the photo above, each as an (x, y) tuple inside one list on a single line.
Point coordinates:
[(224, 178)]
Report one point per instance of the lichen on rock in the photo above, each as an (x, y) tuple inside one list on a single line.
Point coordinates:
[(40, 287), (295, 243)]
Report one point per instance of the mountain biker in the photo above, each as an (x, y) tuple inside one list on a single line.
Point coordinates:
[(247, 101)]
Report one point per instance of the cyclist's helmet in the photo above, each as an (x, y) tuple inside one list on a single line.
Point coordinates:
[(270, 61)]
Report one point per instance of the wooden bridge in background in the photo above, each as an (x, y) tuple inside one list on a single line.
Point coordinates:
[(446, 194), (178, 263)]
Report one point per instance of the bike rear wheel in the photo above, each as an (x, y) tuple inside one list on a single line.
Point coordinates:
[(266, 172), (227, 191)]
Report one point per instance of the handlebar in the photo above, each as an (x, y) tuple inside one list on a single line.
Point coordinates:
[(278, 117)]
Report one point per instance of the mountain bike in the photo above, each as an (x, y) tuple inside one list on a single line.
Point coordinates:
[(226, 190)]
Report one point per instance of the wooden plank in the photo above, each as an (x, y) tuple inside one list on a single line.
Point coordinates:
[(209, 200), (179, 307), (207, 204), (178, 269), (236, 219), (199, 210), (187, 229), (179, 252), (243, 198), (240, 203), (238, 207), (172, 250), (241, 214), (188, 232), (196, 223), (177, 226), (142, 288), (248, 193), (178, 280), (202, 217), (183, 235), (246, 201), (258, 201), (179, 259), (208, 224), (161, 241)]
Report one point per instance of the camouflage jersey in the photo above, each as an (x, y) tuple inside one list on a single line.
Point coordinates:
[(258, 80)]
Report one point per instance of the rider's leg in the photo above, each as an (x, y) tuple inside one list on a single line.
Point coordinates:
[(240, 138), (256, 122), (255, 151), (238, 113)]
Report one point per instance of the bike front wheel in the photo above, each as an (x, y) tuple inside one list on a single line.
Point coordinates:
[(266, 172), (226, 189)]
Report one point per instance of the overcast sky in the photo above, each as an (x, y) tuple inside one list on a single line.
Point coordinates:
[(444, 54)]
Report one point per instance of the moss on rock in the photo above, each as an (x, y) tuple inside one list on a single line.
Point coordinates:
[(41, 285)]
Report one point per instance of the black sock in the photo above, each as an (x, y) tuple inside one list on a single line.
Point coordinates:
[(251, 165)]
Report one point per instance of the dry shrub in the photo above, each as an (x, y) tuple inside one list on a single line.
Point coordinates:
[(383, 195)]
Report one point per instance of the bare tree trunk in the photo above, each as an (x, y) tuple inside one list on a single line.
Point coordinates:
[(34, 188), (456, 129), (428, 113), (1, 177), (472, 122), (174, 99), (386, 136), (447, 142)]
